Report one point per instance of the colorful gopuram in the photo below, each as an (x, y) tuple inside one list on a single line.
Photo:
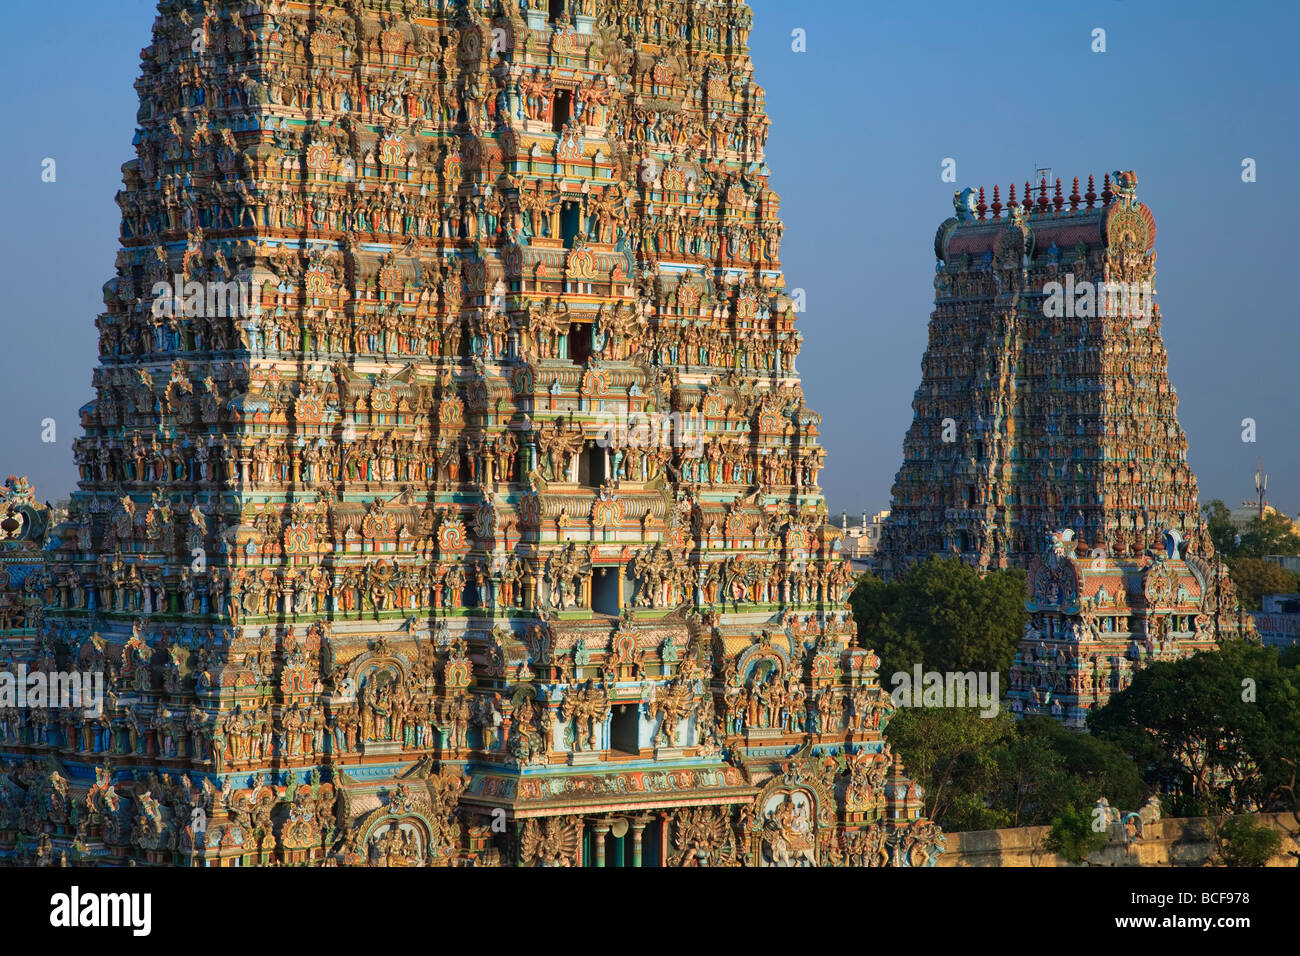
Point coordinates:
[(1045, 400), (1096, 620), (447, 495)]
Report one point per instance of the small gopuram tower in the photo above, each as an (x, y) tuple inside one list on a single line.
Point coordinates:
[(1045, 400), (1095, 620), (448, 493)]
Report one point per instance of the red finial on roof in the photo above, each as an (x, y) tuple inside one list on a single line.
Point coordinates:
[(1011, 201), (1042, 195), (1058, 200), (1028, 201), (1106, 194), (997, 203), (1074, 196), (981, 207), (1091, 194)]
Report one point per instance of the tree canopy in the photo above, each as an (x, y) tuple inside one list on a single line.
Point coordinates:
[(943, 615), (1244, 552), (1255, 577), (1223, 533), (1219, 730), (1272, 534), (986, 773)]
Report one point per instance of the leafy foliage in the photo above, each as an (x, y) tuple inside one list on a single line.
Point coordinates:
[(1273, 534), (1073, 837), (987, 773), (952, 752), (943, 615), (1244, 841), (1220, 730), (1244, 552), (1223, 532), (1255, 577), (980, 773)]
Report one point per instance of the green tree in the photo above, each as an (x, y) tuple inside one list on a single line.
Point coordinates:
[(877, 609), (951, 753), (1045, 768), (944, 616), (1032, 779), (982, 774), (1245, 841), (1272, 534), (1223, 532), (1221, 730), (1092, 768), (1255, 577), (1073, 836)]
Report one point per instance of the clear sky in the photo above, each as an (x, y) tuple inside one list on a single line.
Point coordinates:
[(861, 124)]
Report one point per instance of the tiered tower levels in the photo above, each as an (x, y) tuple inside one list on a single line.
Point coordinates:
[(485, 526), (1095, 621), (1045, 400)]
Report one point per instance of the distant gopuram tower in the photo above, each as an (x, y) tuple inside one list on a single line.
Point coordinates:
[(448, 495), (1045, 401)]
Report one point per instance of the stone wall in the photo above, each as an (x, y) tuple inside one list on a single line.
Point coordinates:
[(1169, 842)]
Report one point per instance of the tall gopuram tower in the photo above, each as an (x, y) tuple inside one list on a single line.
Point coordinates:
[(448, 494), (1045, 401)]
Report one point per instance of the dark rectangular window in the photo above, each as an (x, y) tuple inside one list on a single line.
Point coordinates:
[(624, 729), (591, 469), (561, 106), (604, 587), (579, 342), (570, 223)]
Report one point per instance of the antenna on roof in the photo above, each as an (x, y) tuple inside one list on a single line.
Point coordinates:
[(1261, 486)]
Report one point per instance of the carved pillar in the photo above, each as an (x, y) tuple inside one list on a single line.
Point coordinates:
[(598, 840), (637, 827)]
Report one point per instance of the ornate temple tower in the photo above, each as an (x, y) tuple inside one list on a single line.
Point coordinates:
[(1045, 400), (448, 494), (1095, 621)]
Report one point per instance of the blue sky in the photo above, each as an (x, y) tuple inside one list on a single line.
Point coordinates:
[(861, 123)]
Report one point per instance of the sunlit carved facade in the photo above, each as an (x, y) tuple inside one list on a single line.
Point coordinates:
[(447, 494), (1095, 621)]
